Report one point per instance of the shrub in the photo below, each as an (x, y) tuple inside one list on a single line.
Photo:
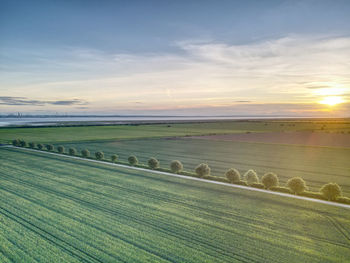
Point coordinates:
[(297, 185), (85, 153), (22, 143), (133, 160), (215, 178), (32, 145), (176, 166), (281, 189), (72, 151), (49, 147), (313, 195), (257, 185), (40, 146), (240, 182), (269, 180), (16, 142), (331, 191), (114, 158), (99, 155), (202, 170), (251, 177), (153, 163), (60, 149), (233, 175)]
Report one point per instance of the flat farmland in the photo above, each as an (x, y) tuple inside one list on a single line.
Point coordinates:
[(55, 209), (317, 165)]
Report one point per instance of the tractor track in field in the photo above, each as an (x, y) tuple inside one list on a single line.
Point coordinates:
[(190, 178), (213, 214)]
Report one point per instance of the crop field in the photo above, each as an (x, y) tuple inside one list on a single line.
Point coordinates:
[(317, 165), (55, 209), (92, 133)]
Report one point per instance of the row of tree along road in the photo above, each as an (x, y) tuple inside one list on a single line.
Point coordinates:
[(269, 181)]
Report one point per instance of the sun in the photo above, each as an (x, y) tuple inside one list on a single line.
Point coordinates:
[(332, 100)]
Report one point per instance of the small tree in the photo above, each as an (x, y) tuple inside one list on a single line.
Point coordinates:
[(297, 185), (40, 146), (153, 163), (16, 142), (85, 153), (269, 180), (202, 170), (176, 166), (233, 175), (114, 158), (133, 160), (72, 151), (60, 149), (331, 191), (99, 155), (49, 147), (22, 143), (251, 177), (32, 145)]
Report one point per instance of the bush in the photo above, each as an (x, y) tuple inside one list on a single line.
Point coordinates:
[(32, 145), (99, 155), (85, 153), (297, 185), (316, 195), (16, 142), (331, 191), (49, 147), (269, 180), (22, 143), (72, 151), (215, 178), (114, 158), (153, 163), (202, 170), (281, 189), (40, 146), (343, 199), (257, 185), (176, 166), (240, 182), (233, 175), (60, 149), (133, 160), (251, 177)]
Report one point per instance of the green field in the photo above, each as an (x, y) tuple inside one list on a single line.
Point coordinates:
[(92, 133), (55, 209), (317, 165)]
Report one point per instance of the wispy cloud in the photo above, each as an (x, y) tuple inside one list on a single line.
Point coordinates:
[(19, 101)]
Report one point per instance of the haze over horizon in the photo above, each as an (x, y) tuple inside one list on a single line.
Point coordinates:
[(286, 58)]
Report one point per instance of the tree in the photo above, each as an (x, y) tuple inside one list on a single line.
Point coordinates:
[(251, 177), (72, 151), (49, 147), (40, 146), (297, 185), (114, 158), (85, 153), (133, 160), (269, 180), (153, 163), (60, 149), (176, 166), (16, 142), (99, 155), (233, 175), (32, 145), (22, 143), (331, 191), (202, 170)]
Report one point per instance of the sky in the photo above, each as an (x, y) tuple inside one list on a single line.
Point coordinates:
[(285, 58)]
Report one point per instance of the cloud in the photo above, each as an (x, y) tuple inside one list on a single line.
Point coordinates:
[(20, 101)]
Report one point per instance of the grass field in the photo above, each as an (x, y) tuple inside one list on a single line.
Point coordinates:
[(61, 210), (317, 165), (93, 133)]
